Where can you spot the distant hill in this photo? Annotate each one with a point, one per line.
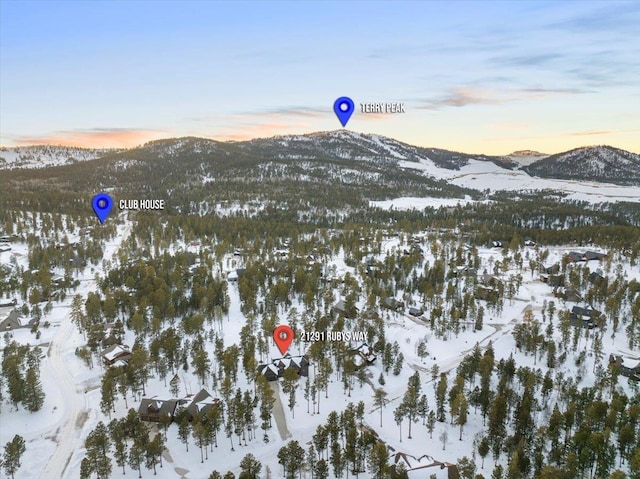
(376, 164)
(592, 163)
(43, 156)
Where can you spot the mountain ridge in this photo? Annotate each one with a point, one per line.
(600, 163)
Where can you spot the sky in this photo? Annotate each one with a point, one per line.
(477, 77)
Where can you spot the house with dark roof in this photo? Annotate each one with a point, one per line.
(274, 370)
(15, 321)
(299, 363)
(202, 403)
(567, 294)
(340, 309)
(596, 278)
(594, 255)
(152, 409)
(486, 293)
(575, 257)
(269, 371)
(417, 312)
(392, 304)
(583, 317)
(553, 269)
(363, 355)
(629, 369)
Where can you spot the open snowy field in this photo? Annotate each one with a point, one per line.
(485, 175)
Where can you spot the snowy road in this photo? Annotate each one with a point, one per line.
(68, 436)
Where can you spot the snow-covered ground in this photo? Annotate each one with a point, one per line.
(416, 203)
(56, 431)
(485, 175)
(46, 155)
(55, 435)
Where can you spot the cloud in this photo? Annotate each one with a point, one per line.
(536, 59)
(93, 138)
(620, 17)
(602, 132)
(465, 96)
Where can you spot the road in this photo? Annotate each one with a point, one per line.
(68, 436)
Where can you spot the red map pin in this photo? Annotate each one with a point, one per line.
(283, 336)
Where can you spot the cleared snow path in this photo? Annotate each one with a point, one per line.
(278, 413)
(68, 436)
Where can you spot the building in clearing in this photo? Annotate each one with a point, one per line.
(116, 355)
(202, 403)
(14, 321)
(152, 409)
(363, 355)
(274, 370)
(629, 369)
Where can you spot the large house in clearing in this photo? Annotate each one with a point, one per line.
(14, 321)
(582, 317)
(202, 403)
(274, 370)
(152, 409)
(630, 370)
(116, 355)
(363, 355)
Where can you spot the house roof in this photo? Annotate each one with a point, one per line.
(114, 351)
(268, 368)
(15, 320)
(157, 406)
(202, 402)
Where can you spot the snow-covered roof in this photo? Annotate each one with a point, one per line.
(112, 352)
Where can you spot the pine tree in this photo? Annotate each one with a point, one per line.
(13, 451)
(461, 408)
(483, 449)
(108, 389)
(289, 386)
(118, 437)
(398, 415)
(153, 453)
(431, 423)
(33, 394)
(379, 400)
(199, 432)
(378, 460)
(250, 467)
(183, 429)
(98, 446)
(136, 457)
(411, 400)
(441, 393)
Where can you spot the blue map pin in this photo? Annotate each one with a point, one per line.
(102, 204)
(344, 107)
